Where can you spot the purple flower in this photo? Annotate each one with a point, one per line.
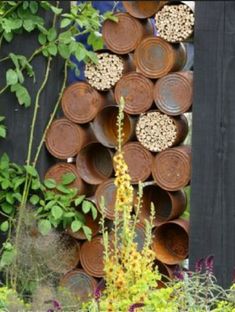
(100, 287)
(135, 306)
(178, 273)
(209, 264)
(199, 265)
(56, 305)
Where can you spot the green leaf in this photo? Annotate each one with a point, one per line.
(56, 10)
(52, 34)
(93, 211)
(2, 118)
(34, 199)
(92, 56)
(7, 258)
(50, 183)
(95, 40)
(33, 5)
(7, 208)
(36, 185)
(17, 182)
(109, 15)
(64, 50)
(21, 94)
(5, 184)
(79, 200)
(65, 37)
(50, 204)
(65, 22)
(11, 77)
(8, 36)
(42, 39)
(62, 189)
(86, 206)
(76, 225)
(28, 25)
(9, 198)
(52, 49)
(80, 53)
(4, 226)
(4, 161)
(3, 131)
(69, 214)
(31, 170)
(44, 227)
(87, 231)
(57, 212)
(68, 178)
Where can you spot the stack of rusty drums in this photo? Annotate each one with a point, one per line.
(149, 72)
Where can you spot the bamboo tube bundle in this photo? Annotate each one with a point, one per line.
(157, 131)
(175, 23)
(104, 75)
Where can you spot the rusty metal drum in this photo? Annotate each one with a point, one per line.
(173, 94)
(81, 103)
(172, 168)
(80, 284)
(105, 126)
(143, 9)
(168, 205)
(91, 257)
(171, 240)
(155, 57)
(107, 191)
(123, 36)
(64, 138)
(94, 163)
(57, 171)
(139, 161)
(137, 91)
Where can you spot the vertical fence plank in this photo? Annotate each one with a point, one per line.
(213, 142)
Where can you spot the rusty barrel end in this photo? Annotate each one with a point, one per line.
(64, 138)
(58, 170)
(139, 161)
(81, 103)
(173, 94)
(80, 284)
(172, 168)
(91, 257)
(94, 163)
(107, 191)
(171, 240)
(143, 9)
(137, 91)
(155, 57)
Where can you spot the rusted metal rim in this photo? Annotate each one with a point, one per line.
(171, 241)
(172, 168)
(143, 9)
(107, 190)
(80, 284)
(94, 163)
(137, 91)
(139, 161)
(80, 102)
(64, 138)
(91, 257)
(173, 94)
